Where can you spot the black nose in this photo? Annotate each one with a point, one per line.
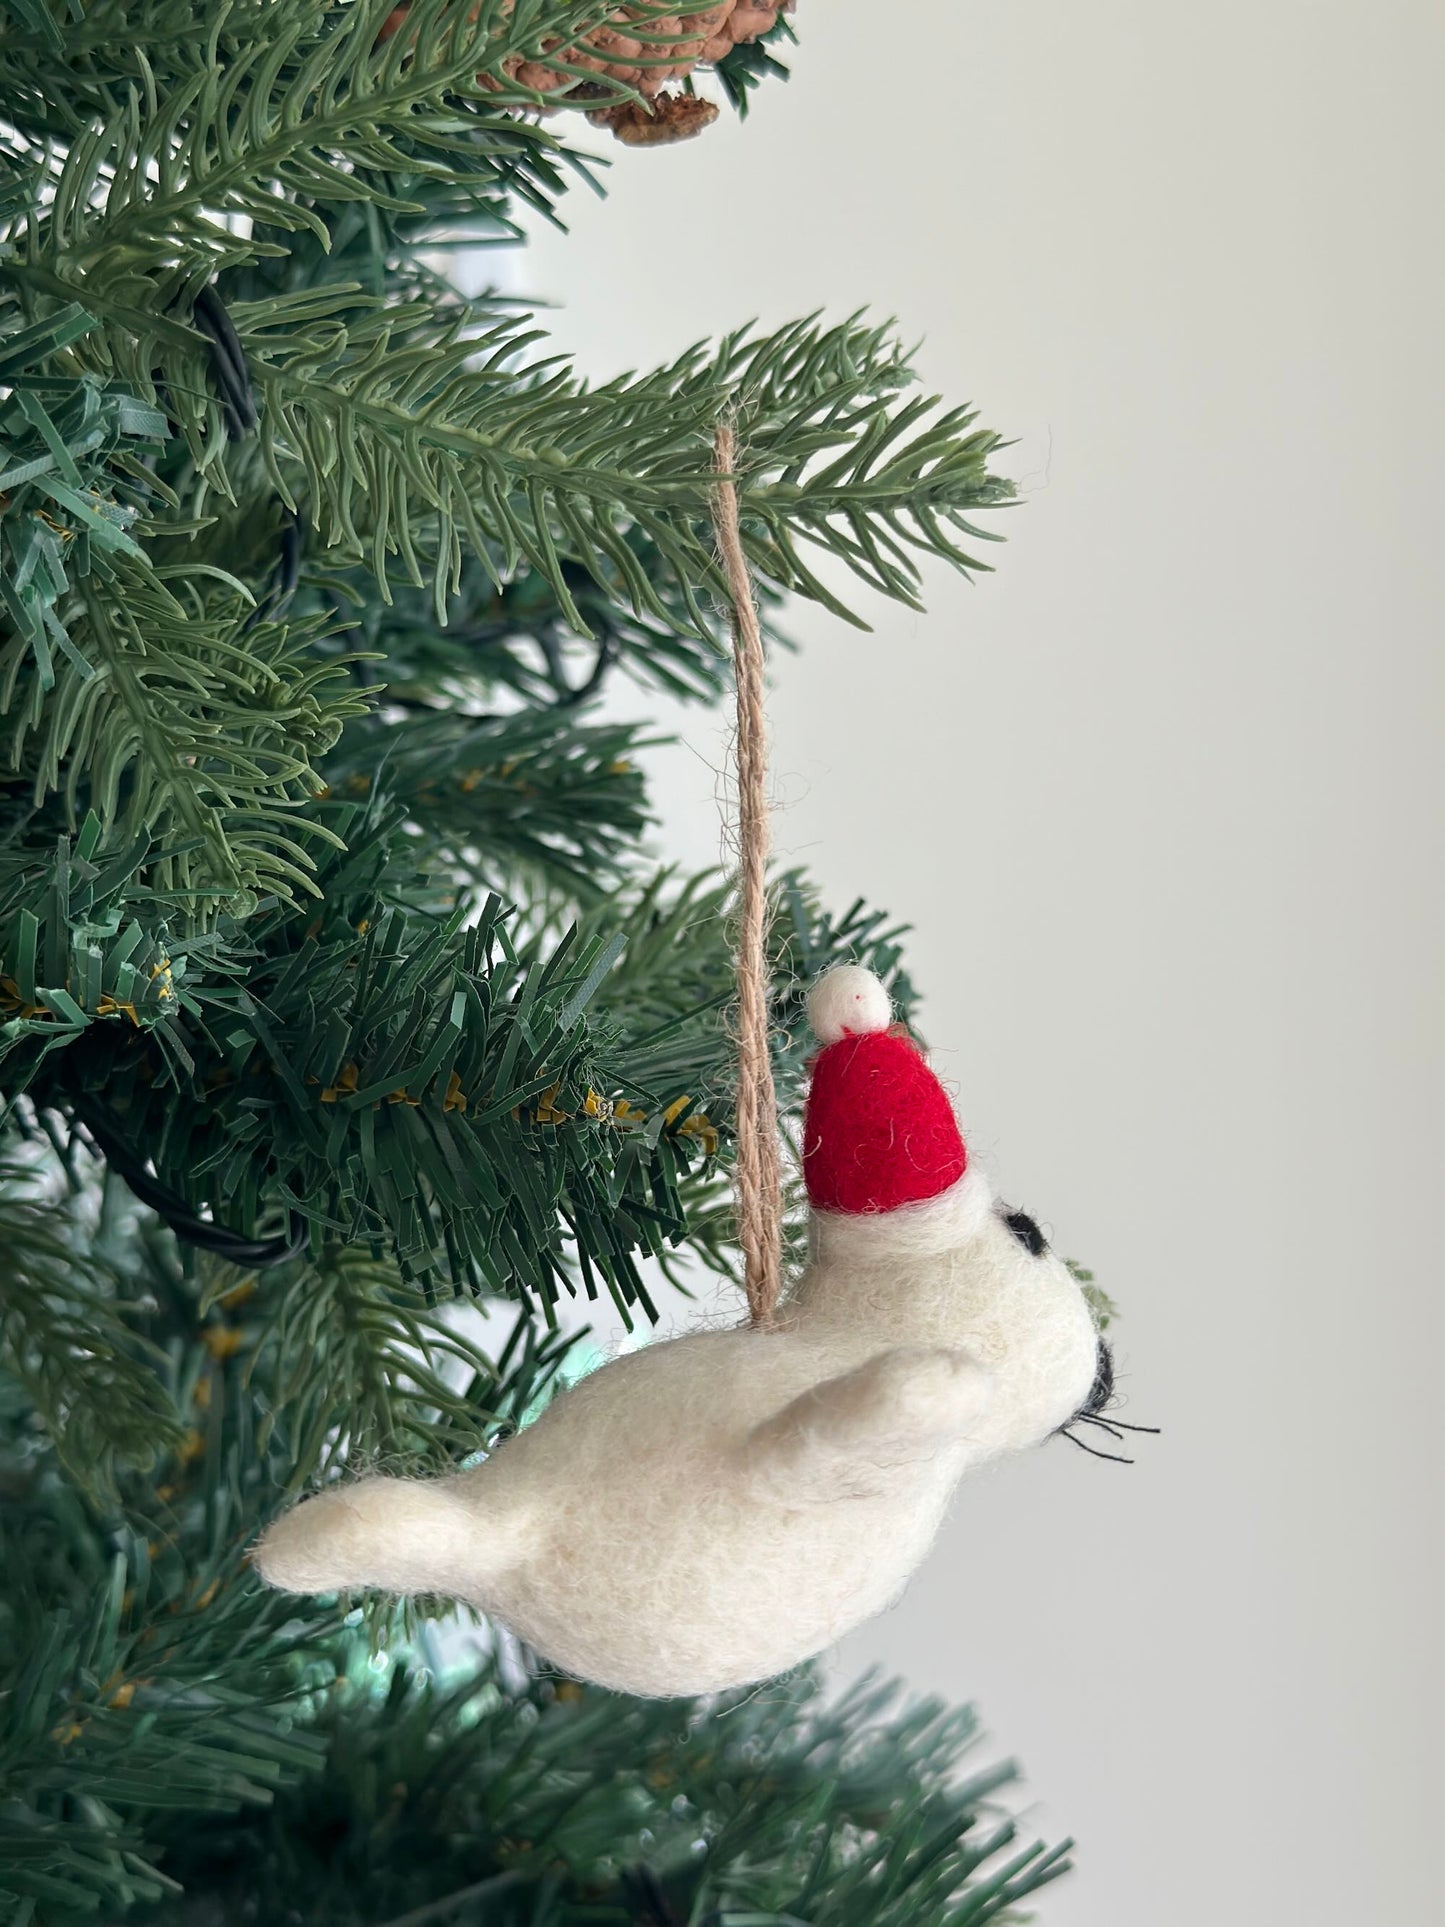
(1027, 1233)
(1102, 1389)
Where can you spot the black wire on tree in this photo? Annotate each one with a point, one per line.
(228, 362)
(252, 1254)
(567, 697)
(646, 1899)
(286, 576)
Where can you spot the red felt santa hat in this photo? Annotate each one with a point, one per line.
(879, 1130)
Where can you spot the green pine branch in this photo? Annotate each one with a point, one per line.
(517, 1115)
(751, 62)
(442, 1798)
(180, 720)
(401, 425)
(307, 99)
(516, 638)
(174, 1736)
(529, 798)
(70, 1342)
(72, 483)
(407, 1387)
(120, 1695)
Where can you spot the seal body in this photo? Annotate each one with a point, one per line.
(719, 1507)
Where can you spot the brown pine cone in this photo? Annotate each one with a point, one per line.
(673, 46)
(663, 120)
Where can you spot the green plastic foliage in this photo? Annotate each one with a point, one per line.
(519, 803)
(324, 911)
(517, 639)
(285, 94)
(403, 420)
(253, 916)
(508, 1115)
(675, 982)
(145, 1676)
(406, 1387)
(80, 944)
(291, 166)
(1100, 1303)
(191, 727)
(150, 694)
(142, 1670)
(420, 430)
(743, 70)
(174, 1737)
(65, 511)
(69, 1341)
(468, 1801)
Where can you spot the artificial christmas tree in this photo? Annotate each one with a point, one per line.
(333, 984)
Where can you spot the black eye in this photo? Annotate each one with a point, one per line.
(1027, 1232)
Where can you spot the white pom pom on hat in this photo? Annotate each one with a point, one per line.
(879, 1130)
(848, 1002)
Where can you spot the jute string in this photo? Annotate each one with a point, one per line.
(759, 1167)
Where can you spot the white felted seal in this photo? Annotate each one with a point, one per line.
(718, 1508)
(847, 1002)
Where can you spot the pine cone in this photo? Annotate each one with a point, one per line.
(675, 44)
(663, 120)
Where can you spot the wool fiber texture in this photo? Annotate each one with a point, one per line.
(720, 1507)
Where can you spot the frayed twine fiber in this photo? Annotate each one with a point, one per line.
(759, 1166)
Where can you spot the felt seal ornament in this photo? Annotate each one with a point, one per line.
(718, 1507)
(722, 1506)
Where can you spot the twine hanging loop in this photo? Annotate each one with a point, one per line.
(759, 1166)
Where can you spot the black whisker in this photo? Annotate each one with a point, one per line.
(1101, 1399)
(1104, 1425)
(1115, 1458)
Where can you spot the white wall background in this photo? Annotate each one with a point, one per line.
(1162, 799)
